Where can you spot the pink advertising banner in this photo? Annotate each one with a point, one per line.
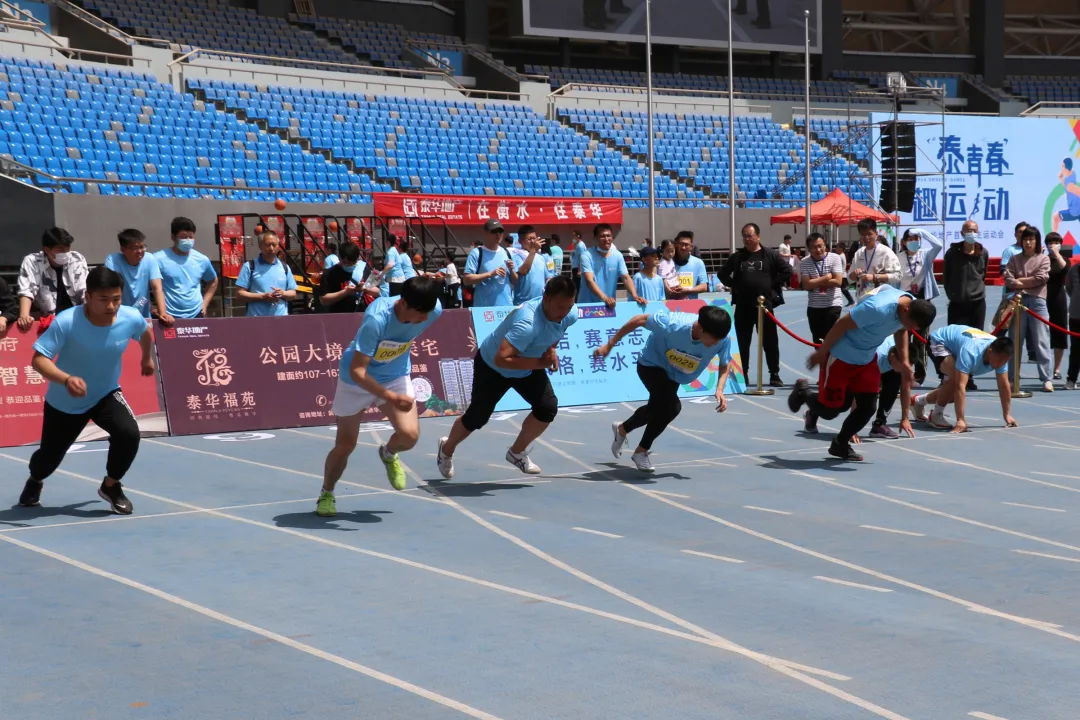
(242, 374)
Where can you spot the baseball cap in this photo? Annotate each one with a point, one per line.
(647, 251)
(492, 225)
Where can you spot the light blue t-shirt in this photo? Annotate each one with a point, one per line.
(876, 317)
(181, 279)
(264, 279)
(528, 329)
(649, 288)
(531, 286)
(330, 261)
(606, 270)
(967, 345)
(575, 256)
(557, 257)
(883, 354)
(92, 353)
(397, 273)
(691, 275)
(671, 347)
(386, 340)
(495, 291)
(136, 279)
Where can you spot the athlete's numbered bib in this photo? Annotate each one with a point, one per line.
(686, 280)
(551, 265)
(974, 333)
(390, 350)
(683, 362)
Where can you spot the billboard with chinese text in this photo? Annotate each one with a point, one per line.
(240, 374)
(478, 209)
(22, 393)
(997, 171)
(584, 379)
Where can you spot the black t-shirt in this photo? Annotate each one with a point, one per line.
(63, 300)
(336, 279)
(754, 275)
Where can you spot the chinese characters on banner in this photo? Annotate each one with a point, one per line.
(584, 379)
(478, 209)
(240, 374)
(231, 241)
(22, 393)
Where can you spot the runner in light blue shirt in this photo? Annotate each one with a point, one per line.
(680, 348)
(529, 331)
(266, 283)
(601, 268)
(184, 270)
(142, 276)
(375, 371)
(531, 267)
(490, 270)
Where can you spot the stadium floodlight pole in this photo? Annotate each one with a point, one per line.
(649, 110)
(809, 194)
(731, 126)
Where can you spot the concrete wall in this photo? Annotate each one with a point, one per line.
(25, 214)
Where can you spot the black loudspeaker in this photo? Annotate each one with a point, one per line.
(897, 167)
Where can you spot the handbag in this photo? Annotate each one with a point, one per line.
(1002, 310)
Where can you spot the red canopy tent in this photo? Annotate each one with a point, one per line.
(836, 208)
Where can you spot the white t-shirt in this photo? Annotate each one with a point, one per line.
(829, 265)
(450, 275)
(880, 260)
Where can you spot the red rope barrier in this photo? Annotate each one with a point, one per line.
(1044, 321)
(783, 327)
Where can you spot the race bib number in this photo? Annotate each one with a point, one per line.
(974, 333)
(686, 280)
(390, 350)
(683, 362)
(551, 265)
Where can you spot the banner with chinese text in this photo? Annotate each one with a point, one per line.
(583, 379)
(22, 393)
(241, 374)
(997, 172)
(478, 209)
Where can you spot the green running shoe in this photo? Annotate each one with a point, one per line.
(327, 506)
(394, 472)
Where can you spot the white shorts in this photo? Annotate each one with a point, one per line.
(352, 399)
(939, 350)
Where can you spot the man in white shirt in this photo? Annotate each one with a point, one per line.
(52, 280)
(874, 264)
(821, 274)
(785, 251)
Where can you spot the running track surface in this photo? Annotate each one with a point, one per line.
(749, 578)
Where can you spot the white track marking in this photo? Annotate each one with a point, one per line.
(914, 490)
(671, 494)
(597, 532)
(1048, 447)
(768, 510)
(568, 442)
(713, 557)
(889, 530)
(699, 432)
(269, 635)
(1044, 555)
(503, 432)
(768, 440)
(985, 716)
(324, 437)
(1033, 507)
(717, 463)
(509, 515)
(1057, 475)
(852, 584)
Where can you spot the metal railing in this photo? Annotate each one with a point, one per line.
(69, 53)
(1037, 108)
(106, 27)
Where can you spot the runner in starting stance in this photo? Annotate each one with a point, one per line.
(374, 370)
(679, 348)
(81, 355)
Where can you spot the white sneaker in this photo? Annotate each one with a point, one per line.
(445, 462)
(1048, 386)
(918, 408)
(1070, 385)
(522, 462)
(938, 420)
(642, 461)
(620, 441)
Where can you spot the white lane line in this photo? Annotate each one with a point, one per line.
(324, 437)
(713, 557)
(768, 510)
(1033, 507)
(503, 432)
(717, 463)
(698, 432)
(598, 532)
(895, 532)
(670, 494)
(852, 584)
(1044, 555)
(509, 515)
(1057, 475)
(768, 440)
(985, 716)
(1053, 447)
(568, 442)
(907, 489)
(263, 632)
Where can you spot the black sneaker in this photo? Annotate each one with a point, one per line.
(31, 493)
(971, 385)
(797, 398)
(844, 451)
(809, 423)
(775, 381)
(116, 498)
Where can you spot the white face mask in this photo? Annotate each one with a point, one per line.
(970, 238)
(61, 258)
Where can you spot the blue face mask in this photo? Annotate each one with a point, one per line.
(912, 245)
(970, 238)
(186, 245)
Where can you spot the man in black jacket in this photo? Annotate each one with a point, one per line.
(965, 281)
(751, 272)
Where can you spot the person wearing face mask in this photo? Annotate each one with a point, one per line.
(183, 271)
(919, 250)
(965, 278)
(347, 287)
(1057, 305)
(142, 276)
(52, 280)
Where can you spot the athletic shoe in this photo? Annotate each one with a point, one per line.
(883, 431)
(327, 505)
(522, 462)
(809, 423)
(619, 442)
(775, 381)
(445, 462)
(797, 398)
(971, 385)
(115, 496)
(844, 451)
(1071, 385)
(939, 421)
(918, 408)
(642, 461)
(1048, 386)
(31, 493)
(394, 472)
(1057, 375)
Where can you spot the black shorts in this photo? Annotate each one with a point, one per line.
(489, 387)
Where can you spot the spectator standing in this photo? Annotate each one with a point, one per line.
(341, 289)
(452, 280)
(601, 268)
(689, 270)
(490, 270)
(666, 268)
(821, 274)
(142, 276)
(919, 250)
(1057, 305)
(183, 272)
(532, 269)
(1029, 273)
(52, 280)
(874, 263)
(579, 248)
(647, 282)
(555, 247)
(331, 258)
(266, 283)
(965, 278)
(1072, 285)
(750, 272)
(9, 308)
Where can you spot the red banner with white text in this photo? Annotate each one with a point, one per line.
(478, 209)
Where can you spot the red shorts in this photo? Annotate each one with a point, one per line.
(837, 378)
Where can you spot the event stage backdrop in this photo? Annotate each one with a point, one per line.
(997, 171)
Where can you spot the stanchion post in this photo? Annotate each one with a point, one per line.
(1017, 320)
(761, 389)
